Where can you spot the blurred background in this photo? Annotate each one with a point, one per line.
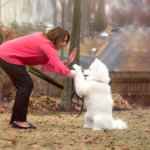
(115, 31)
(100, 19)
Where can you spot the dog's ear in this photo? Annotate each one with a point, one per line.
(96, 66)
(97, 62)
(96, 59)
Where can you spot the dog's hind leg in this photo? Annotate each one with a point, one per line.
(101, 122)
(96, 123)
(88, 121)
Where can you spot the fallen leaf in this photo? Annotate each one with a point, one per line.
(105, 131)
(143, 121)
(36, 146)
(125, 148)
(48, 143)
(2, 110)
(14, 142)
(114, 139)
(5, 106)
(88, 142)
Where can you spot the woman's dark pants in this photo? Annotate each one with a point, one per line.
(24, 84)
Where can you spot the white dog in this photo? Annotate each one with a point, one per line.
(97, 97)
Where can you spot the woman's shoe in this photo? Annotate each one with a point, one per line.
(30, 124)
(17, 126)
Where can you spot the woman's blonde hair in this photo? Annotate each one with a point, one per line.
(56, 34)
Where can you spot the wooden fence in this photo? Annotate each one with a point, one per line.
(132, 86)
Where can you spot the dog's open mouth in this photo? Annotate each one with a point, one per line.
(85, 76)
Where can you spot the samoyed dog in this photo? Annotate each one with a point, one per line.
(93, 85)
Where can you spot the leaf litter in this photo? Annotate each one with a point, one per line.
(59, 131)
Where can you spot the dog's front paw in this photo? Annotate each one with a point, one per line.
(86, 126)
(73, 71)
(75, 66)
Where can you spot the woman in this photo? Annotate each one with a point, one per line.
(33, 49)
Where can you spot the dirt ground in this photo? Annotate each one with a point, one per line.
(60, 131)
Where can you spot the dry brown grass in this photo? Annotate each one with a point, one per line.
(59, 130)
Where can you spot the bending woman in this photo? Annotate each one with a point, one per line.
(32, 49)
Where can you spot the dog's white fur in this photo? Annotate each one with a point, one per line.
(97, 97)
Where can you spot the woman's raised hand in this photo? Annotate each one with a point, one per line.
(71, 57)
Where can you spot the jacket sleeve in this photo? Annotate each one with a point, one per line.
(54, 64)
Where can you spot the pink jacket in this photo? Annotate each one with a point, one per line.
(33, 49)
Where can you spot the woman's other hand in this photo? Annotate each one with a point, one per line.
(72, 74)
(71, 57)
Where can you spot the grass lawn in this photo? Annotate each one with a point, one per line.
(89, 43)
(59, 130)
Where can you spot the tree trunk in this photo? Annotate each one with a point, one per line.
(55, 12)
(74, 42)
(84, 12)
(1, 71)
(63, 16)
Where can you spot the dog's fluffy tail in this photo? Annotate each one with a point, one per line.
(119, 124)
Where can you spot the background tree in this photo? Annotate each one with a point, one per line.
(54, 2)
(84, 10)
(86, 19)
(145, 14)
(63, 2)
(74, 42)
(69, 11)
(1, 70)
(99, 21)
